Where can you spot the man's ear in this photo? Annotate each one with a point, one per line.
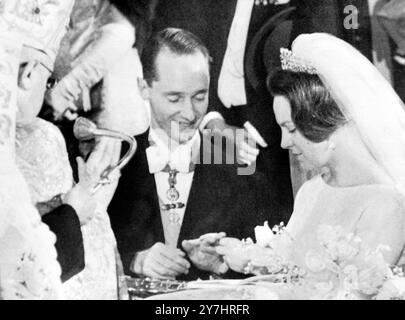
(143, 88)
(25, 80)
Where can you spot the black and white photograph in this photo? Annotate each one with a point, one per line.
(223, 151)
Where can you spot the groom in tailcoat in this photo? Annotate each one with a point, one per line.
(212, 20)
(170, 192)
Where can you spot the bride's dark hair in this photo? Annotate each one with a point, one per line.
(313, 111)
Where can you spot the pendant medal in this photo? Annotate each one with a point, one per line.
(174, 217)
(172, 194)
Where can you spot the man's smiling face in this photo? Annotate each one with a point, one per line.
(179, 95)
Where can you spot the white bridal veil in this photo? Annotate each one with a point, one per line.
(363, 95)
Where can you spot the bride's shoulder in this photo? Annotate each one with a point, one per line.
(310, 186)
(384, 203)
(386, 195)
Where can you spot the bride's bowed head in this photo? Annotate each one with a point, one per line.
(339, 114)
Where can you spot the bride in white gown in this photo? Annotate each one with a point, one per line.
(339, 115)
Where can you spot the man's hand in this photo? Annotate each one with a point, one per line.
(62, 99)
(203, 255)
(245, 139)
(160, 261)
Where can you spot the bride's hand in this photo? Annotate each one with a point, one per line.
(232, 250)
(237, 254)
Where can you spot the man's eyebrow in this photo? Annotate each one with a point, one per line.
(200, 92)
(173, 93)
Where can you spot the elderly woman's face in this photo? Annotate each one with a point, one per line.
(309, 153)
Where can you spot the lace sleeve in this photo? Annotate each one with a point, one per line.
(43, 160)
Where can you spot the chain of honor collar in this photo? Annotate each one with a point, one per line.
(172, 196)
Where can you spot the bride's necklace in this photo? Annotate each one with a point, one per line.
(173, 196)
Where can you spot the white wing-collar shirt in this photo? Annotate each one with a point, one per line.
(179, 158)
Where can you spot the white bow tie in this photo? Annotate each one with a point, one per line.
(160, 157)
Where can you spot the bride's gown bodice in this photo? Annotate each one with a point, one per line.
(43, 160)
(374, 213)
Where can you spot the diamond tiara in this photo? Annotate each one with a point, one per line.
(291, 63)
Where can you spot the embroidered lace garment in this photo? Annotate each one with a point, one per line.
(43, 159)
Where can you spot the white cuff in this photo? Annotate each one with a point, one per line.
(208, 117)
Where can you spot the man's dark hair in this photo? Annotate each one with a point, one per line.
(313, 110)
(177, 41)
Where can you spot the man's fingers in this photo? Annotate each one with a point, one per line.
(230, 242)
(157, 264)
(254, 134)
(156, 270)
(180, 253)
(154, 275)
(174, 267)
(212, 238)
(187, 245)
(86, 100)
(72, 107)
(165, 266)
(208, 250)
(245, 161)
(70, 115)
(175, 259)
(253, 150)
(246, 157)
